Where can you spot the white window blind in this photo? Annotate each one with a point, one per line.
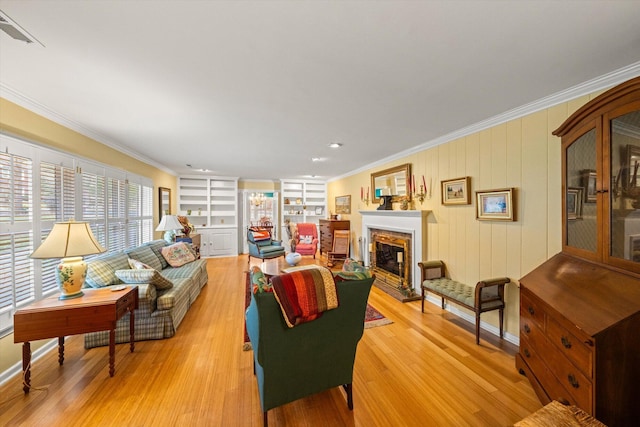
(16, 239)
(39, 187)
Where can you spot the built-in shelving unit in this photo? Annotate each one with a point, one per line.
(211, 204)
(303, 201)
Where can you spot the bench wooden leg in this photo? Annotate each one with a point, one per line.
(477, 328)
(423, 300)
(443, 303)
(501, 322)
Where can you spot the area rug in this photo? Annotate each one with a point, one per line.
(372, 317)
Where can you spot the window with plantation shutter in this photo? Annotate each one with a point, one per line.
(16, 239)
(39, 187)
(57, 203)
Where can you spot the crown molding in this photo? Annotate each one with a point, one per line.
(599, 83)
(18, 98)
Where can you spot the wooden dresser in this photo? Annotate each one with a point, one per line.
(580, 337)
(327, 227)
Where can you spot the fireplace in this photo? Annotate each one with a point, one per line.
(385, 235)
(391, 258)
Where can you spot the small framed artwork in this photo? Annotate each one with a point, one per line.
(589, 183)
(319, 210)
(574, 203)
(495, 205)
(456, 191)
(343, 204)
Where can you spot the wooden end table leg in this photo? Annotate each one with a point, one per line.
(60, 350)
(26, 366)
(132, 330)
(112, 352)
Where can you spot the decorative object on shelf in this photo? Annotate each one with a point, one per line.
(385, 203)
(364, 197)
(343, 204)
(298, 201)
(199, 211)
(319, 210)
(293, 258)
(456, 191)
(495, 205)
(574, 202)
(169, 224)
(188, 211)
(70, 241)
(287, 201)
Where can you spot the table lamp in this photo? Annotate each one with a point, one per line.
(169, 224)
(70, 241)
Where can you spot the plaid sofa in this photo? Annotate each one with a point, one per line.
(160, 309)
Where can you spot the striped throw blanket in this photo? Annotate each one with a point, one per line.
(304, 295)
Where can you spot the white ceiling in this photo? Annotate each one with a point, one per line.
(255, 89)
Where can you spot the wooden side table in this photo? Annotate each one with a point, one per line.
(96, 310)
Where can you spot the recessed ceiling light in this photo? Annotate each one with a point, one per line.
(316, 159)
(335, 145)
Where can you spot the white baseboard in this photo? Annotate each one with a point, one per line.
(455, 309)
(16, 369)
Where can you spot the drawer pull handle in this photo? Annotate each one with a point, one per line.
(526, 353)
(565, 342)
(527, 329)
(572, 380)
(531, 311)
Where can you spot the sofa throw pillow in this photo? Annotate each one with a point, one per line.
(260, 235)
(150, 276)
(101, 270)
(306, 239)
(156, 246)
(259, 281)
(146, 255)
(351, 264)
(137, 265)
(341, 276)
(177, 254)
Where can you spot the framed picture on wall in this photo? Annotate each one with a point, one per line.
(343, 204)
(456, 191)
(495, 205)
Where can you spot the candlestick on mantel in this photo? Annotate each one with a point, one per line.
(399, 256)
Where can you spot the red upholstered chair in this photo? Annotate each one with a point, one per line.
(305, 240)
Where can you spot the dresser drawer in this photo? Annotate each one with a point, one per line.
(579, 386)
(531, 309)
(126, 303)
(579, 351)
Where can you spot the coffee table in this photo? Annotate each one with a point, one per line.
(274, 266)
(96, 310)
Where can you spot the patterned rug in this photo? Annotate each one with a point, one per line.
(372, 317)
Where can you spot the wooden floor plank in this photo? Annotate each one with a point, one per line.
(423, 369)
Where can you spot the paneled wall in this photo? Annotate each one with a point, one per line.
(520, 153)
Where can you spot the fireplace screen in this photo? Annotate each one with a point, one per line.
(387, 257)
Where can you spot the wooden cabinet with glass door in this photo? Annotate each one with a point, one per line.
(580, 310)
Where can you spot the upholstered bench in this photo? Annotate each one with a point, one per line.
(486, 295)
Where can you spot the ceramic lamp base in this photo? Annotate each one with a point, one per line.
(70, 274)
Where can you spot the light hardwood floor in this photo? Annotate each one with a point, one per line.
(422, 370)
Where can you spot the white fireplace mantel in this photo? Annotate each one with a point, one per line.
(409, 221)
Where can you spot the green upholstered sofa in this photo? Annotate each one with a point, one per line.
(162, 303)
(291, 363)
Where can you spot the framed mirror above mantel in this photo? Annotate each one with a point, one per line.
(391, 182)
